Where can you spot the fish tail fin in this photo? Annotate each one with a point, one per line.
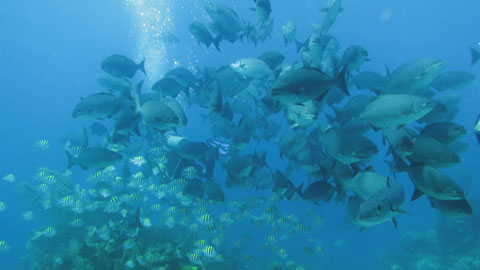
(71, 159)
(138, 223)
(216, 42)
(299, 189)
(475, 56)
(136, 95)
(298, 45)
(341, 82)
(141, 66)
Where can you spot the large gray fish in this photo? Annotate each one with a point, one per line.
(370, 80)
(452, 80)
(226, 22)
(202, 35)
(97, 106)
(396, 110)
(433, 183)
(317, 191)
(289, 30)
(272, 58)
(160, 115)
(121, 66)
(302, 115)
(400, 140)
(168, 87)
(347, 147)
(445, 132)
(113, 84)
(213, 191)
(304, 84)
(263, 8)
(127, 120)
(331, 10)
(265, 30)
(94, 158)
(413, 76)
(452, 208)
(382, 206)
(230, 81)
(366, 183)
(183, 76)
(428, 151)
(352, 109)
(252, 68)
(282, 186)
(354, 57)
(292, 142)
(475, 56)
(241, 167)
(193, 189)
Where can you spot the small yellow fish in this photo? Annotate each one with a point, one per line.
(4, 247)
(3, 206)
(42, 144)
(28, 215)
(9, 178)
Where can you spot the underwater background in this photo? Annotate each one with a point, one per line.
(52, 51)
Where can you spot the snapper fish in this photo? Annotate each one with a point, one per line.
(121, 66)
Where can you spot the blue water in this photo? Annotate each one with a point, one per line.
(51, 53)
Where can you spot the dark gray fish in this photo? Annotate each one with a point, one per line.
(272, 58)
(304, 84)
(213, 191)
(383, 206)
(230, 81)
(94, 158)
(433, 183)
(317, 191)
(113, 84)
(226, 22)
(201, 33)
(452, 208)
(282, 186)
(370, 80)
(127, 120)
(183, 76)
(121, 66)
(263, 8)
(193, 189)
(331, 10)
(347, 147)
(444, 132)
(168, 87)
(97, 106)
(99, 129)
(452, 80)
(354, 57)
(352, 109)
(428, 151)
(265, 30)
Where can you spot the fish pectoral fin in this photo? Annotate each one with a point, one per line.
(401, 211)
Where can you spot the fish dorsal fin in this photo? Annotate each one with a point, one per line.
(395, 224)
(417, 193)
